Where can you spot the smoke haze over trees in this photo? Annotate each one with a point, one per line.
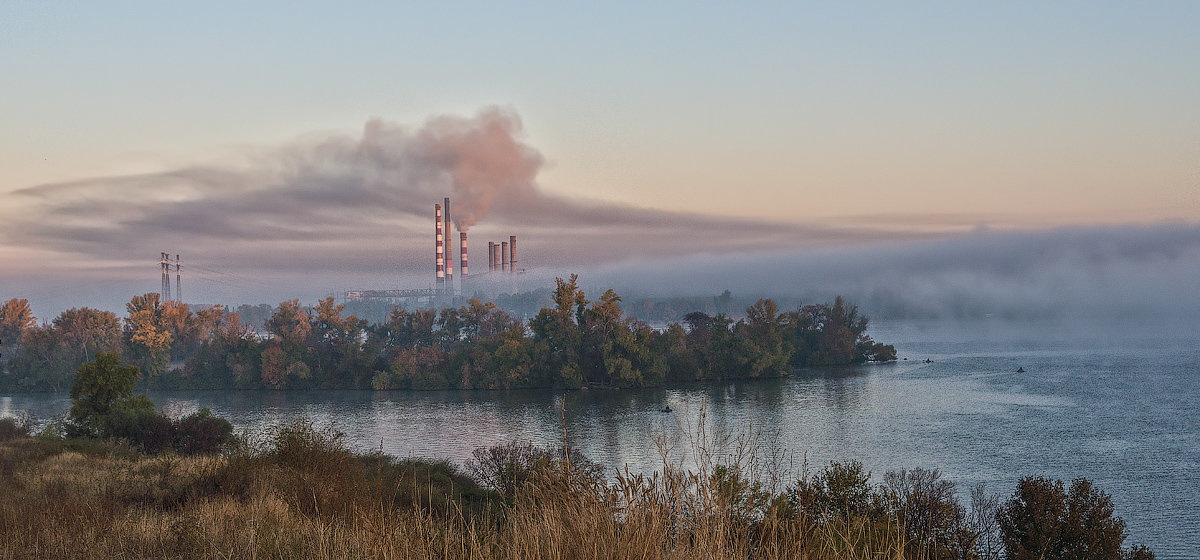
(331, 212)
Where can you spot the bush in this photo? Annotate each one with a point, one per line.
(202, 433)
(841, 491)
(136, 421)
(1041, 520)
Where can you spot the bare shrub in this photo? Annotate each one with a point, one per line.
(16, 428)
(933, 520)
(509, 467)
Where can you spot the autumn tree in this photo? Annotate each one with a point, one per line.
(284, 360)
(228, 355)
(1042, 520)
(514, 363)
(419, 367)
(337, 356)
(280, 370)
(147, 336)
(290, 324)
(841, 329)
(50, 354)
(185, 328)
(85, 332)
(15, 318)
(406, 329)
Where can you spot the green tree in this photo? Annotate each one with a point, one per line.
(763, 329)
(559, 328)
(608, 344)
(840, 491)
(101, 392)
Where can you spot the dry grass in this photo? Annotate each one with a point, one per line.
(310, 498)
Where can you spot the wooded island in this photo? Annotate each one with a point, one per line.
(571, 344)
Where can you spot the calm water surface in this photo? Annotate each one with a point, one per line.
(1123, 411)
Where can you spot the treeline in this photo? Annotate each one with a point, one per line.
(571, 344)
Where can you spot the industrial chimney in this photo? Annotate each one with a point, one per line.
(449, 249)
(439, 254)
(491, 251)
(462, 245)
(512, 253)
(504, 256)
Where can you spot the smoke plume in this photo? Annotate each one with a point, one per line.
(484, 160)
(346, 203)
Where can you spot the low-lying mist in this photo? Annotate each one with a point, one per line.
(1116, 272)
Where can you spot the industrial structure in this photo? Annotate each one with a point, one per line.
(440, 250)
(502, 258)
(449, 249)
(164, 260)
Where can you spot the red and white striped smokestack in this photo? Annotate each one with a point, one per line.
(504, 256)
(439, 250)
(512, 253)
(449, 247)
(462, 258)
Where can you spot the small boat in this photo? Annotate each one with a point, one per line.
(1020, 370)
(666, 408)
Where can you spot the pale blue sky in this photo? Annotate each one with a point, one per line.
(1067, 111)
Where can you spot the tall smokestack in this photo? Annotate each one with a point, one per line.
(512, 253)
(503, 256)
(496, 256)
(462, 245)
(439, 249)
(449, 249)
(491, 259)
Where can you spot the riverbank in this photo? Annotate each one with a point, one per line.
(305, 496)
(298, 492)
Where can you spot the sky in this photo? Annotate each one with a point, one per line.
(296, 149)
